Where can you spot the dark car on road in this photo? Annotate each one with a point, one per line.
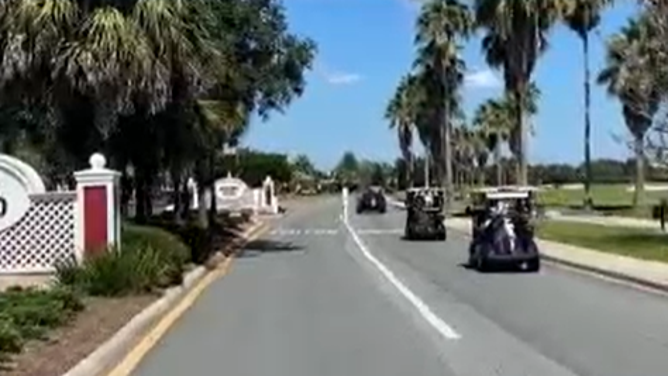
(502, 224)
(372, 199)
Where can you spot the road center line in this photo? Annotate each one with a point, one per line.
(436, 322)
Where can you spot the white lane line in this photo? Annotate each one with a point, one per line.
(436, 322)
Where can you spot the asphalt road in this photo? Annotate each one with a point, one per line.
(312, 299)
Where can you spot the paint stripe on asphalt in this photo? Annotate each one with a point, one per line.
(436, 322)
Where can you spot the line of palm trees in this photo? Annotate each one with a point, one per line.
(427, 101)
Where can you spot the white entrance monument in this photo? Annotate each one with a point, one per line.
(39, 229)
(17, 182)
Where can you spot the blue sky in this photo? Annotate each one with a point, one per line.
(365, 46)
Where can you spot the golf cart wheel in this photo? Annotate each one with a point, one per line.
(481, 262)
(533, 265)
(442, 233)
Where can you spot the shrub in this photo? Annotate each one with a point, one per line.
(10, 336)
(120, 272)
(168, 243)
(29, 313)
(149, 258)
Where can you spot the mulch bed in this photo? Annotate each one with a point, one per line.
(68, 345)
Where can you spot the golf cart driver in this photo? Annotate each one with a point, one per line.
(502, 230)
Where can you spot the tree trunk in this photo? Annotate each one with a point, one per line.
(427, 171)
(177, 195)
(140, 195)
(410, 171)
(201, 193)
(588, 204)
(639, 191)
(213, 210)
(498, 162)
(447, 157)
(523, 135)
(481, 176)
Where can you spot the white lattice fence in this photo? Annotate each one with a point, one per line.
(43, 237)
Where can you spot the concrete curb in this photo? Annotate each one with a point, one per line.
(618, 276)
(622, 277)
(108, 354)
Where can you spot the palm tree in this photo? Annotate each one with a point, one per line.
(530, 108)
(440, 26)
(480, 153)
(516, 35)
(629, 76)
(584, 17)
(400, 112)
(93, 62)
(493, 121)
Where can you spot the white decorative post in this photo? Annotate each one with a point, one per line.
(344, 198)
(257, 200)
(98, 221)
(194, 195)
(268, 190)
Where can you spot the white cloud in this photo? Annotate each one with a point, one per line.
(341, 78)
(337, 77)
(482, 79)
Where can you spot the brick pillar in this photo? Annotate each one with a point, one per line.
(98, 220)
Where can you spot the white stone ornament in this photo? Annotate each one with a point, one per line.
(97, 161)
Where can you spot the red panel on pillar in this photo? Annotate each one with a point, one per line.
(95, 219)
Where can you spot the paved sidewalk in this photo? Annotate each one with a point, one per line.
(650, 273)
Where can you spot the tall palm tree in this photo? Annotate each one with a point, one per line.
(530, 108)
(400, 112)
(583, 18)
(628, 75)
(493, 120)
(441, 25)
(516, 34)
(481, 154)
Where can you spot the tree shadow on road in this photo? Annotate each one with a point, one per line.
(262, 246)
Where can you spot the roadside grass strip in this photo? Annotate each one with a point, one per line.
(646, 244)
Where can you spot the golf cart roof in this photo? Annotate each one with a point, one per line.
(506, 192)
(421, 189)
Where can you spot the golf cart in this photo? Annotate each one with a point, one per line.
(372, 199)
(425, 216)
(502, 228)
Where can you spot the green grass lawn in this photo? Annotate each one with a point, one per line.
(603, 195)
(634, 242)
(610, 198)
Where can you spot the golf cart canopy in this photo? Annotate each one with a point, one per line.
(503, 193)
(425, 189)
